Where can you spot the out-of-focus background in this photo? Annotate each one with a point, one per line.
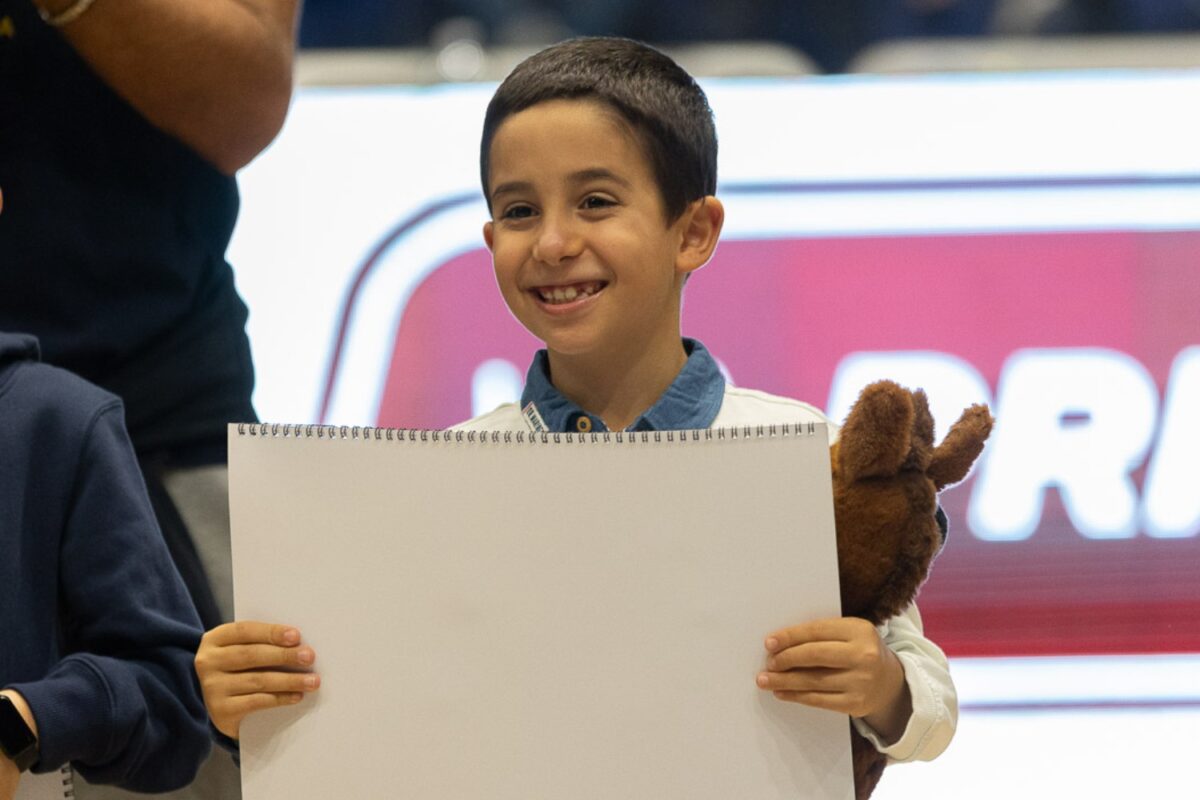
(996, 200)
(834, 36)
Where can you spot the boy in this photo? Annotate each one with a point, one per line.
(97, 631)
(598, 163)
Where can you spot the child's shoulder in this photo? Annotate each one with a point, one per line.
(752, 407)
(46, 398)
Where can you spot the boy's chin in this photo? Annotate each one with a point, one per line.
(561, 348)
(568, 338)
(575, 345)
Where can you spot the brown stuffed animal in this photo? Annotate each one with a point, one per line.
(886, 476)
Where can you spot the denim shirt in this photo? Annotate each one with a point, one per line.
(691, 402)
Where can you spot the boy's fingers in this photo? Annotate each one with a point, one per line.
(250, 632)
(838, 629)
(240, 657)
(251, 683)
(832, 655)
(816, 680)
(829, 701)
(237, 707)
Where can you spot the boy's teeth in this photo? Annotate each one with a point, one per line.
(565, 294)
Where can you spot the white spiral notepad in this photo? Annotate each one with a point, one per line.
(56, 785)
(513, 616)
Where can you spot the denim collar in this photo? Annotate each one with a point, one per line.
(690, 402)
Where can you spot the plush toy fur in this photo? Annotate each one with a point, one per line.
(886, 476)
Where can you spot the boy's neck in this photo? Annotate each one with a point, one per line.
(618, 388)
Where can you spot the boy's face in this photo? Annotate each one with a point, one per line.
(582, 249)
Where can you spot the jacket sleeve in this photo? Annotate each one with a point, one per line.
(123, 704)
(934, 699)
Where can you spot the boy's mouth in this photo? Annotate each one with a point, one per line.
(559, 295)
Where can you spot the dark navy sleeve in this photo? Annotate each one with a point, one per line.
(123, 705)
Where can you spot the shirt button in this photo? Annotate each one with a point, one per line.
(583, 424)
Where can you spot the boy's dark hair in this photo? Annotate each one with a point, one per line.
(662, 103)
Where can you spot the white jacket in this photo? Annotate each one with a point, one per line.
(934, 700)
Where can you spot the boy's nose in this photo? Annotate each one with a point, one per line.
(557, 241)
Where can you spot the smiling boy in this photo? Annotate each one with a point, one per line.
(588, 258)
(598, 163)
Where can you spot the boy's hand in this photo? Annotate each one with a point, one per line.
(842, 665)
(248, 666)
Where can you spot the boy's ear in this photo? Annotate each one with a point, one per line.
(487, 234)
(701, 228)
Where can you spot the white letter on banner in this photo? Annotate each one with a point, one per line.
(951, 383)
(1171, 502)
(1079, 419)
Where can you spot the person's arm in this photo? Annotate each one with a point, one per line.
(934, 716)
(122, 704)
(215, 74)
(892, 681)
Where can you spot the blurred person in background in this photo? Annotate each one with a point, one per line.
(830, 33)
(123, 123)
(899, 19)
(1121, 16)
(369, 23)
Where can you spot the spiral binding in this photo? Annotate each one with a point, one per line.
(270, 430)
(68, 781)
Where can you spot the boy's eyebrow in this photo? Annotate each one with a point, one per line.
(598, 173)
(582, 176)
(511, 187)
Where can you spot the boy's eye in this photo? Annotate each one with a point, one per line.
(596, 201)
(517, 212)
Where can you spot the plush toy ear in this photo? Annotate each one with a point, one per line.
(874, 441)
(953, 458)
(921, 439)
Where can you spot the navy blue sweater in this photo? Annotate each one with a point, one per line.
(96, 629)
